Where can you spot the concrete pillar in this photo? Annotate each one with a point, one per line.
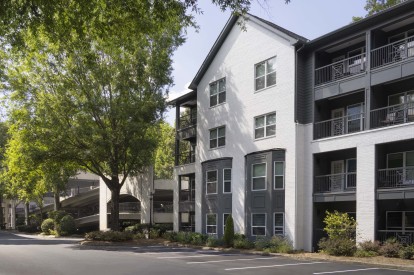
(365, 193)
(13, 215)
(176, 200)
(104, 194)
(6, 213)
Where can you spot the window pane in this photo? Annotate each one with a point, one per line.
(409, 220)
(271, 79)
(278, 182)
(260, 83)
(278, 219)
(212, 176)
(222, 97)
(222, 85)
(221, 132)
(259, 231)
(221, 141)
(213, 133)
(271, 119)
(211, 219)
(213, 143)
(211, 230)
(271, 65)
(395, 160)
(394, 220)
(227, 186)
(259, 183)
(259, 121)
(271, 130)
(351, 165)
(227, 174)
(260, 69)
(409, 159)
(213, 101)
(213, 89)
(259, 220)
(211, 187)
(279, 168)
(259, 170)
(259, 133)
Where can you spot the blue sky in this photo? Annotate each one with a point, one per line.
(309, 18)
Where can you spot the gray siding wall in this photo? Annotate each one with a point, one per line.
(304, 90)
(267, 201)
(219, 203)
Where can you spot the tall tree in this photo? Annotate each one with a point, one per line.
(3, 141)
(164, 155)
(375, 6)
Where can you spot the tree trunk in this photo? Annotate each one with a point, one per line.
(26, 213)
(114, 206)
(56, 198)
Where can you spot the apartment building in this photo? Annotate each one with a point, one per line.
(278, 129)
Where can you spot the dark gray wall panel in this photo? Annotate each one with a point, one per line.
(385, 74)
(408, 68)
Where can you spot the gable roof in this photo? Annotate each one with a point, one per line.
(222, 37)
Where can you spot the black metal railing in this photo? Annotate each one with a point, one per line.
(393, 52)
(187, 195)
(392, 115)
(396, 178)
(188, 120)
(403, 236)
(335, 183)
(338, 126)
(163, 207)
(129, 207)
(186, 158)
(340, 69)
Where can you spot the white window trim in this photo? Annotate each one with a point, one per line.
(231, 179)
(224, 221)
(274, 175)
(265, 163)
(218, 92)
(217, 137)
(207, 193)
(254, 125)
(265, 75)
(252, 226)
(207, 225)
(274, 223)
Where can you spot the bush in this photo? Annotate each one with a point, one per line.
(67, 225)
(47, 226)
(57, 215)
(228, 237)
(27, 228)
(261, 243)
(337, 246)
(243, 244)
(339, 225)
(279, 244)
(171, 236)
(406, 253)
(370, 246)
(184, 237)
(109, 236)
(198, 239)
(390, 248)
(360, 253)
(214, 242)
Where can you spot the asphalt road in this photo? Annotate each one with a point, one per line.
(29, 255)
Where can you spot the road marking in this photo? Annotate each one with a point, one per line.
(234, 260)
(190, 256)
(267, 266)
(346, 271)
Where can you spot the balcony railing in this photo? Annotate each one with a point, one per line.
(187, 195)
(186, 158)
(188, 120)
(338, 126)
(396, 178)
(335, 183)
(392, 115)
(129, 207)
(341, 69)
(393, 52)
(163, 206)
(403, 236)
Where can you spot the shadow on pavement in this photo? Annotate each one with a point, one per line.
(11, 238)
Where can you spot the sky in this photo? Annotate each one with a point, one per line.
(308, 18)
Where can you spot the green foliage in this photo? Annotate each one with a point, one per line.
(406, 252)
(375, 6)
(47, 226)
(228, 237)
(109, 236)
(339, 225)
(279, 244)
(67, 225)
(243, 243)
(27, 228)
(370, 246)
(157, 230)
(337, 246)
(364, 253)
(171, 236)
(214, 242)
(390, 248)
(57, 215)
(164, 155)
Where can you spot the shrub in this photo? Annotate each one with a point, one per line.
(337, 246)
(339, 225)
(361, 253)
(109, 236)
(184, 237)
(67, 225)
(214, 242)
(390, 248)
(198, 239)
(47, 226)
(370, 246)
(27, 228)
(171, 236)
(57, 215)
(279, 244)
(242, 243)
(261, 243)
(228, 237)
(406, 253)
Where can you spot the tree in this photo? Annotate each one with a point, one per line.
(164, 155)
(3, 141)
(375, 6)
(228, 237)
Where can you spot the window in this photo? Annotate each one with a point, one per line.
(227, 180)
(265, 126)
(218, 137)
(211, 223)
(279, 175)
(265, 74)
(225, 216)
(258, 224)
(279, 227)
(259, 176)
(218, 92)
(211, 184)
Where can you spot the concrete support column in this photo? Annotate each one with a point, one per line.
(104, 195)
(365, 193)
(198, 198)
(176, 200)
(13, 215)
(6, 213)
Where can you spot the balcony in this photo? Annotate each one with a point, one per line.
(396, 178)
(392, 53)
(341, 182)
(341, 69)
(392, 115)
(339, 126)
(129, 207)
(186, 158)
(403, 236)
(187, 126)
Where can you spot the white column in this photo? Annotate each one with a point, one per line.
(365, 193)
(13, 214)
(176, 199)
(103, 211)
